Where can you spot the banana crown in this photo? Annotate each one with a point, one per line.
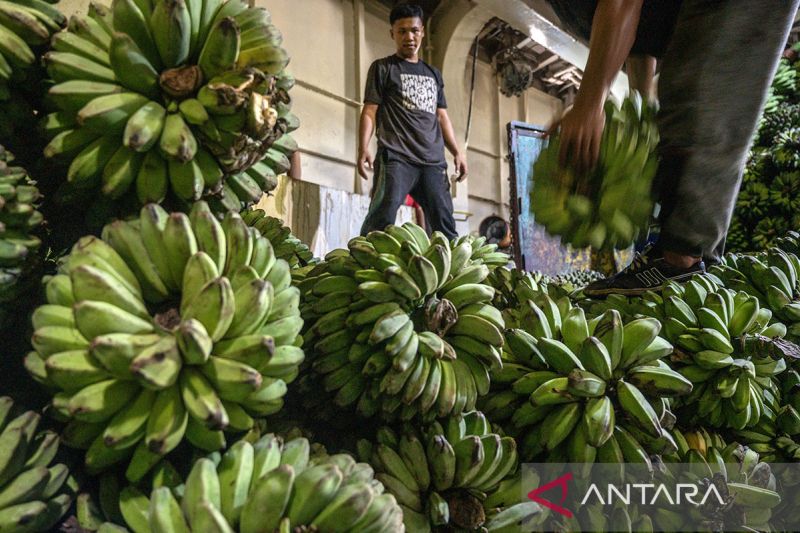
(174, 100)
(19, 221)
(34, 494)
(436, 472)
(269, 485)
(402, 324)
(610, 207)
(170, 326)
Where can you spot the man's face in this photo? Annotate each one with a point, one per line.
(407, 34)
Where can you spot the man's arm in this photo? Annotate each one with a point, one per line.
(641, 71)
(366, 128)
(613, 33)
(459, 158)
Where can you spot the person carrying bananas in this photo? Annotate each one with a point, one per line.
(404, 99)
(717, 60)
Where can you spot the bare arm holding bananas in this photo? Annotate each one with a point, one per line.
(613, 33)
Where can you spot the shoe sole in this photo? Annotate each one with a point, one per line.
(636, 292)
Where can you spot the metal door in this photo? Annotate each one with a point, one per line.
(534, 249)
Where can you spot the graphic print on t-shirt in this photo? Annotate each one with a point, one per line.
(419, 92)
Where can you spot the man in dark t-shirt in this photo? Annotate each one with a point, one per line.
(404, 99)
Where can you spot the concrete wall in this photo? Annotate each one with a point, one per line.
(332, 44)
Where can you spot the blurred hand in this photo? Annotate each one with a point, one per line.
(365, 162)
(460, 162)
(581, 132)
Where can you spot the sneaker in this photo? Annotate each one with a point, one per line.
(647, 272)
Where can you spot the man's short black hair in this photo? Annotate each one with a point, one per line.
(405, 11)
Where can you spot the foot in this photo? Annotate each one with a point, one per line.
(647, 272)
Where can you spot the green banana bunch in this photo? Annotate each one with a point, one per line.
(784, 151)
(597, 517)
(736, 470)
(768, 204)
(582, 390)
(776, 438)
(269, 485)
(286, 246)
(486, 253)
(771, 124)
(513, 286)
(170, 327)
(574, 281)
(25, 28)
(172, 100)
(436, 472)
(714, 330)
(790, 242)
(777, 434)
(401, 324)
(772, 278)
(19, 223)
(34, 494)
(610, 207)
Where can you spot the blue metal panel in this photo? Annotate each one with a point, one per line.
(534, 249)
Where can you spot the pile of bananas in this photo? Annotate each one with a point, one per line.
(768, 203)
(783, 90)
(514, 286)
(181, 96)
(575, 280)
(286, 246)
(789, 243)
(771, 277)
(267, 486)
(33, 494)
(19, 221)
(777, 438)
(714, 329)
(777, 435)
(442, 475)
(402, 324)
(736, 470)
(596, 517)
(171, 326)
(584, 390)
(24, 27)
(611, 207)
(785, 152)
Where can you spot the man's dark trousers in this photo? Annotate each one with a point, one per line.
(396, 178)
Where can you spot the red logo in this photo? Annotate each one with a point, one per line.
(560, 482)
